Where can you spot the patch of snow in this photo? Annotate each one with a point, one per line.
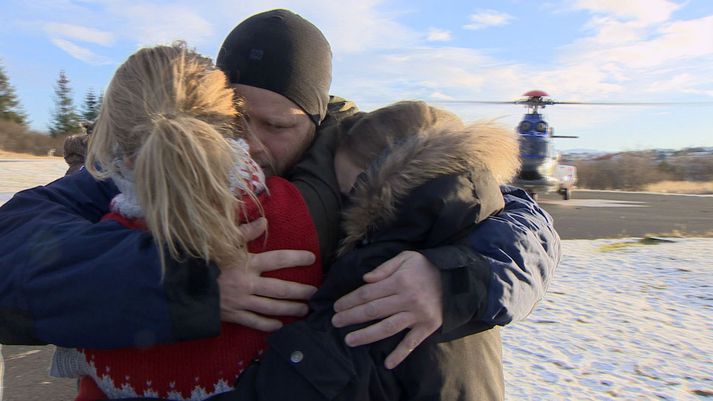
(621, 320)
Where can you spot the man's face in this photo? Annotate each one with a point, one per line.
(279, 130)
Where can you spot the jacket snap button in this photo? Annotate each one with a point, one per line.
(296, 357)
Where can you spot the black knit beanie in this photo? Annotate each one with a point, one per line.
(284, 53)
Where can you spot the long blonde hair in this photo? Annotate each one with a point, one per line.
(168, 112)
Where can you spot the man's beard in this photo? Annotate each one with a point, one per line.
(268, 168)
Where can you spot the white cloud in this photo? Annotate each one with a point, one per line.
(149, 23)
(438, 35)
(468, 74)
(674, 83)
(350, 27)
(643, 11)
(442, 73)
(635, 48)
(81, 33)
(691, 38)
(80, 53)
(625, 25)
(383, 58)
(577, 82)
(439, 96)
(487, 18)
(670, 43)
(436, 74)
(139, 23)
(684, 82)
(361, 26)
(610, 31)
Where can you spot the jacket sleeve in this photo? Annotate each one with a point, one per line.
(314, 176)
(67, 279)
(315, 179)
(501, 270)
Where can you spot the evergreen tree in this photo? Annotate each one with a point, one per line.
(100, 101)
(64, 119)
(90, 109)
(9, 105)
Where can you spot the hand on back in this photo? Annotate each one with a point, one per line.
(404, 293)
(249, 299)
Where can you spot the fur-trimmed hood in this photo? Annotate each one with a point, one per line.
(445, 147)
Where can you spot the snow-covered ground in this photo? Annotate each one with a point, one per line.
(621, 320)
(19, 174)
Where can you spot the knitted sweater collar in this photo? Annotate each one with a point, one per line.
(246, 176)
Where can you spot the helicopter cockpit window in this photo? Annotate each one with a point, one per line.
(525, 126)
(541, 126)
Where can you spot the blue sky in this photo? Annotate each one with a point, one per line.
(384, 51)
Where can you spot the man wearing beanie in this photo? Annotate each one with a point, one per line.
(281, 64)
(281, 52)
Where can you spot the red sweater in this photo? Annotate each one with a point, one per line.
(201, 368)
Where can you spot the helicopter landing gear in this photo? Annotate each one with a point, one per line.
(566, 194)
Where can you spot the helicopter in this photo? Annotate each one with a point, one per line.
(540, 171)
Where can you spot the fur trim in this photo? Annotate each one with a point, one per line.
(445, 148)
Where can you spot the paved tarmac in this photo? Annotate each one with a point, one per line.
(588, 215)
(613, 214)
(27, 378)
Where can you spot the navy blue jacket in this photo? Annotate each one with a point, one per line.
(70, 280)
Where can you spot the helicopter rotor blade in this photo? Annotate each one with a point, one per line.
(548, 102)
(476, 102)
(636, 103)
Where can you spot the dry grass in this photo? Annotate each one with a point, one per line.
(646, 240)
(681, 234)
(16, 138)
(681, 187)
(4, 154)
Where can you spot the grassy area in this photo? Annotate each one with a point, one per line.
(16, 138)
(681, 187)
(4, 154)
(670, 187)
(647, 240)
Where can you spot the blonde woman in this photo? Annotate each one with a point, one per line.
(167, 135)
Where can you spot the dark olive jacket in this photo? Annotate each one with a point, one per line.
(429, 191)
